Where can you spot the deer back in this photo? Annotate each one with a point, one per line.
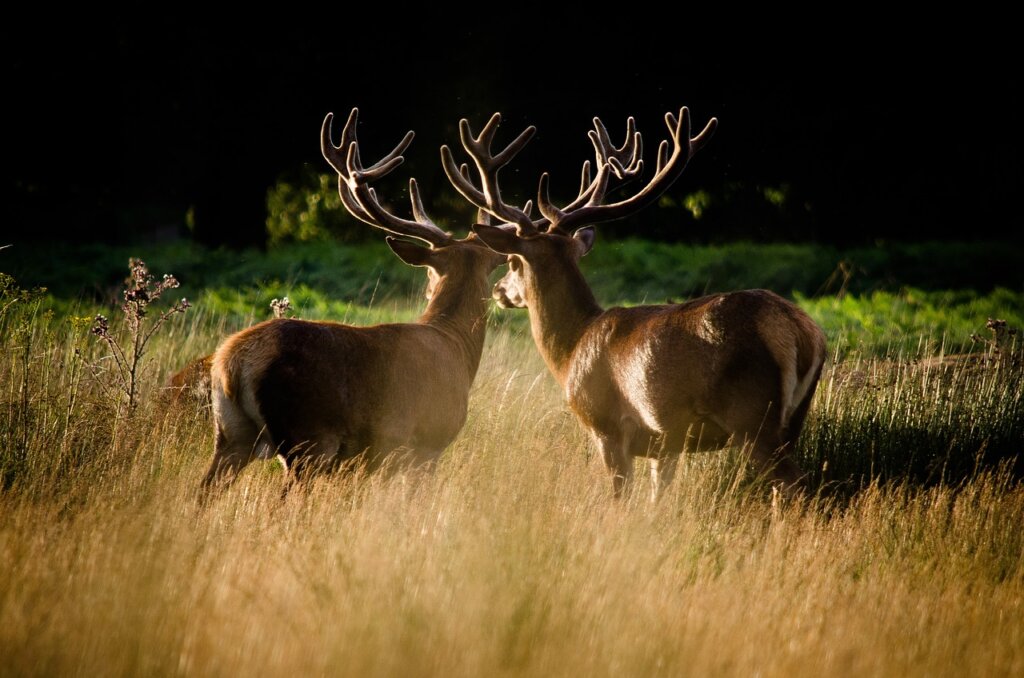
(669, 364)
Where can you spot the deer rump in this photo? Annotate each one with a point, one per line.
(693, 375)
(272, 383)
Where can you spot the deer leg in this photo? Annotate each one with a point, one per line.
(796, 419)
(618, 461)
(665, 455)
(663, 470)
(759, 426)
(229, 458)
(776, 463)
(312, 459)
(289, 476)
(422, 460)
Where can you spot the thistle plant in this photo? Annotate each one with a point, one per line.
(141, 290)
(1003, 345)
(281, 307)
(18, 312)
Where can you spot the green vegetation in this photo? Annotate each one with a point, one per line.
(871, 301)
(620, 271)
(307, 208)
(905, 559)
(912, 322)
(637, 270)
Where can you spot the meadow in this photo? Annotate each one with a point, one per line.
(905, 557)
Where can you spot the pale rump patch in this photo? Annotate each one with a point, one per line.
(237, 423)
(780, 335)
(237, 365)
(804, 385)
(789, 398)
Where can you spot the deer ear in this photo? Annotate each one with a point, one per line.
(414, 255)
(499, 239)
(584, 238)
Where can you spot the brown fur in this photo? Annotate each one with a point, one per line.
(191, 384)
(654, 381)
(319, 394)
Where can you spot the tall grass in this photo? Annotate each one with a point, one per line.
(512, 559)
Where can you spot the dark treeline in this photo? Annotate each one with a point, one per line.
(121, 132)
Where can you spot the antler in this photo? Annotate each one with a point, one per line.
(488, 198)
(623, 164)
(667, 171)
(360, 199)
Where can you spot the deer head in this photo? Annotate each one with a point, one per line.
(444, 256)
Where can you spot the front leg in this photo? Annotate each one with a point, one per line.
(614, 448)
(665, 453)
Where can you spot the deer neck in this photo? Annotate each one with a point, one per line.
(561, 308)
(458, 309)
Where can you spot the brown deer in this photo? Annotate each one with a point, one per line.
(190, 386)
(319, 393)
(649, 381)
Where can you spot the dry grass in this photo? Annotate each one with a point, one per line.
(511, 560)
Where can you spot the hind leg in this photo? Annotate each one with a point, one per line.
(776, 463)
(237, 440)
(307, 460)
(780, 459)
(758, 425)
(796, 420)
(232, 452)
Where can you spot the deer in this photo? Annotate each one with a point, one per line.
(647, 381)
(190, 386)
(318, 394)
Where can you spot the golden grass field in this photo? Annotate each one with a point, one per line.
(512, 559)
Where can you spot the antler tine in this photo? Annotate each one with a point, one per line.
(482, 215)
(669, 167)
(360, 199)
(418, 213)
(585, 177)
(628, 153)
(336, 155)
(391, 160)
(624, 163)
(488, 197)
(662, 155)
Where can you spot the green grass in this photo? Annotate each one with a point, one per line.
(912, 321)
(894, 298)
(620, 270)
(641, 271)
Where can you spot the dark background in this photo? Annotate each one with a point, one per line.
(115, 133)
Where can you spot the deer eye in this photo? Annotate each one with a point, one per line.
(514, 264)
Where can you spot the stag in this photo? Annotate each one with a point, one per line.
(648, 381)
(319, 393)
